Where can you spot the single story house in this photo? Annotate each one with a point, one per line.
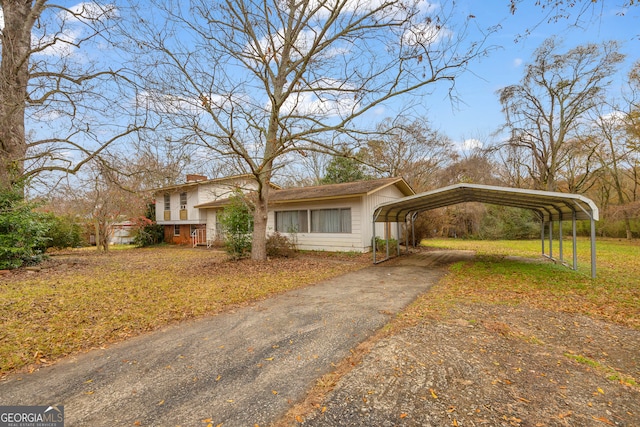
(335, 217)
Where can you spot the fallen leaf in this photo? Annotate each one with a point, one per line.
(600, 390)
(274, 392)
(269, 359)
(433, 393)
(137, 423)
(299, 419)
(454, 423)
(323, 410)
(403, 415)
(161, 403)
(218, 377)
(602, 420)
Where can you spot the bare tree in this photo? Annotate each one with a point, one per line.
(614, 152)
(411, 149)
(544, 112)
(259, 80)
(60, 102)
(564, 9)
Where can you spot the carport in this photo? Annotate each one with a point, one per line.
(549, 207)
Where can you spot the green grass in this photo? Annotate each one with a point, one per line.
(611, 374)
(493, 278)
(90, 299)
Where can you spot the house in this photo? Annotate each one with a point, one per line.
(122, 233)
(335, 217)
(176, 208)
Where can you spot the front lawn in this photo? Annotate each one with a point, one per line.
(82, 299)
(495, 277)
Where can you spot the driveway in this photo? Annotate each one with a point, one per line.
(240, 368)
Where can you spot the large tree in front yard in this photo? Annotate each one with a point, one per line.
(256, 83)
(60, 102)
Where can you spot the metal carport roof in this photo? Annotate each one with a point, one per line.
(549, 206)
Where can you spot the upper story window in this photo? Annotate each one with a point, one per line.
(183, 201)
(331, 220)
(167, 202)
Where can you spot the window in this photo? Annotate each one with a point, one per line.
(183, 201)
(176, 230)
(292, 222)
(167, 202)
(331, 220)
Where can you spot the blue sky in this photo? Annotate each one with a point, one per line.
(479, 114)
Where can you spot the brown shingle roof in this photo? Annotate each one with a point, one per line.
(323, 192)
(332, 191)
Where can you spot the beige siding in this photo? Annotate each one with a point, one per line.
(212, 217)
(197, 194)
(325, 241)
(369, 204)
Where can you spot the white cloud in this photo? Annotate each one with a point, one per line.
(324, 101)
(61, 44)
(380, 111)
(517, 62)
(90, 11)
(425, 34)
(469, 145)
(272, 49)
(394, 10)
(614, 118)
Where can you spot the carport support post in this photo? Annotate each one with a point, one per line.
(560, 239)
(398, 239)
(387, 231)
(542, 225)
(593, 248)
(373, 237)
(551, 239)
(575, 241)
(413, 228)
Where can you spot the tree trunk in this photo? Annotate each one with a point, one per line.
(102, 236)
(14, 75)
(260, 214)
(259, 241)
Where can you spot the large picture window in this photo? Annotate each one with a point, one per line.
(292, 222)
(331, 220)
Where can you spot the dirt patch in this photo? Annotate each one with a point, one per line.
(493, 365)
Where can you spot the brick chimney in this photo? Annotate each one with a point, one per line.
(195, 178)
